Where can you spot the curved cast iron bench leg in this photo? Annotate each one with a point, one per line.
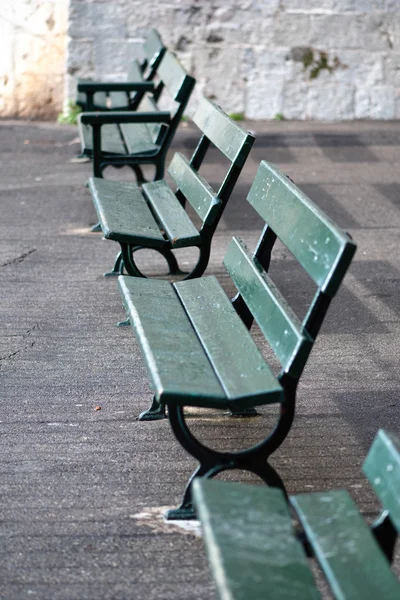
(154, 413)
(117, 268)
(212, 462)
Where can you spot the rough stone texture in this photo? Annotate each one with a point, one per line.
(243, 52)
(32, 57)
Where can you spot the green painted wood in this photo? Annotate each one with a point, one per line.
(239, 365)
(135, 72)
(99, 99)
(138, 138)
(111, 141)
(345, 547)
(250, 544)
(118, 100)
(274, 316)
(123, 213)
(195, 189)
(170, 214)
(174, 77)
(153, 46)
(177, 365)
(148, 104)
(225, 134)
(382, 468)
(319, 245)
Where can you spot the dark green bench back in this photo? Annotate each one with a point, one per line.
(153, 48)
(382, 468)
(321, 248)
(232, 140)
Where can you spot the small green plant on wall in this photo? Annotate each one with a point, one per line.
(70, 117)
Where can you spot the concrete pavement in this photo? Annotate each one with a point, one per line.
(83, 490)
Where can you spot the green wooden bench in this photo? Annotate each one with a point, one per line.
(137, 137)
(196, 343)
(101, 95)
(155, 217)
(255, 552)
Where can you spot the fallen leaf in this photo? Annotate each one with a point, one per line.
(98, 408)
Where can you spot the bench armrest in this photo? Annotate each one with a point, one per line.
(122, 116)
(127, 86)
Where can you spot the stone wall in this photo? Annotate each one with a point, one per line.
(32, 57)
(297, 59)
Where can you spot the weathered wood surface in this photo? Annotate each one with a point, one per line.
(123, 213)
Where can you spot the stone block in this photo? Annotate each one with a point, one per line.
(292, 30)
(111, 60)
(80, 59)
(359, 67)
(346, 31)
(378, 102)
(264, 101)
(219, 70)
(267, 64)
(294, 102)
(391, 64)
(330, 102)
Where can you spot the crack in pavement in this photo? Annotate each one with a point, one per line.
(19, 259)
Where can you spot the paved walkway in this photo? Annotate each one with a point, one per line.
(83, 490)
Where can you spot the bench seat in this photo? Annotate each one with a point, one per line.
(135, 138)
(197, 350)
(255, 551)
(128, 215)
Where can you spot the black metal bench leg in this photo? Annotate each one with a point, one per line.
(186, 511)
(117, 268)
(154, 413)
(96, 228)
(140, 178)
(172, 262)
(385, 534)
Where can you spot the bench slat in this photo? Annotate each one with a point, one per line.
(176, 362)
(171, 215)
(308, 233)
(225, 134)
(174, 77)
(240, 367)
(119, 100)
(274, 316)
(152, 46)
(111, 141)
(382, 467)
(134, 71)
(122, 210)
(345, 547)
(195, 189)
(249, 539)
(138, 138)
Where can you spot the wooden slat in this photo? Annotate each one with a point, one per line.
(250, 544)
(111, 141)
(274, 316)
(138, 138)
(119, 100)
(170, 214)
(134, 72)
(345, 547)
(123, 213)
(177, 366)
(240, 367)
(225, 134)
(319, 245)
(382, 467)
(195, 189)
(173, 76)
(152, 46)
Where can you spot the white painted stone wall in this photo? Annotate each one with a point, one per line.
(32, 57)
(253, 56)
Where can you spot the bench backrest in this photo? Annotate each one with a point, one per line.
(179, 85)
(382, 468)
(232, 141)
(321, 248)
(153, 50)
